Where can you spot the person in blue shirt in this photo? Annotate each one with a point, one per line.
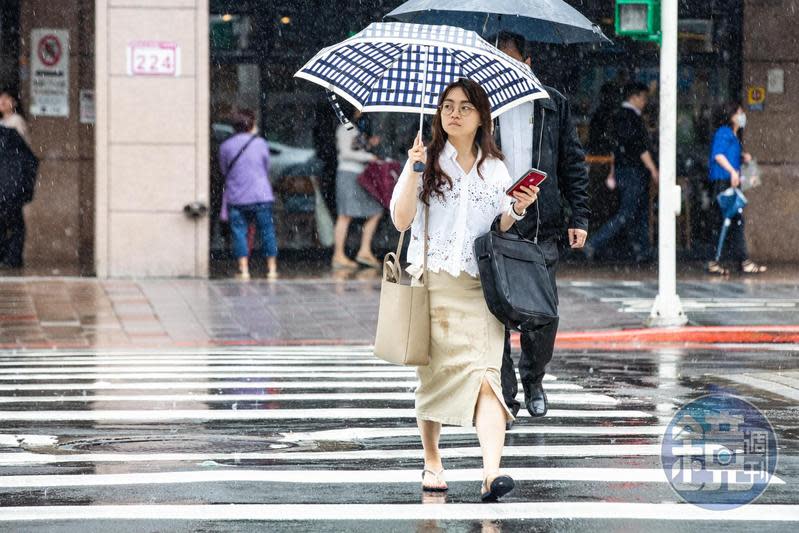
(726, 157)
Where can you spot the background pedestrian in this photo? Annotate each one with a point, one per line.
(18, 167)
(726, 156)
(244, 159)
(352, 201)
(634, 168)
(12, 226)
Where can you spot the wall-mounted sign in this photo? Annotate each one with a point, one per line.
(49, 73)
(87, 113)
(776, 81)
(153, 58)
(756, 98)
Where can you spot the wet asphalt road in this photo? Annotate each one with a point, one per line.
(323, 439)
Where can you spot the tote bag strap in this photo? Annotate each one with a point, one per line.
(394, 264)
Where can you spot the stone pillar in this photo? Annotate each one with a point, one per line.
(152, 142)
(772, 135)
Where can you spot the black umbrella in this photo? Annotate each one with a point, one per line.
(543, 21)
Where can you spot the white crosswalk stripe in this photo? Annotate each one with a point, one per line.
(568, 399)
(335, 477)
(130, 423)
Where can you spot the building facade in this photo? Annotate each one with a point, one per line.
(128, 149)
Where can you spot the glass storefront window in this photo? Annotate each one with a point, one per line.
(230, 32)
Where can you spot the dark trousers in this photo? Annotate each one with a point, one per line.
(537, 346)
(633, 214)
(12, 237)
(735, 243)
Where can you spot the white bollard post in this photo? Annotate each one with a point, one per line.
(667, 310)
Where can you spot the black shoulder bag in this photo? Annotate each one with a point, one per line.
(238, 155)
(514, 276)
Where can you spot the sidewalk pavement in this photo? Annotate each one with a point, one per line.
(598, 306)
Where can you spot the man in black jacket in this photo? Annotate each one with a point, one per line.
(18, 167)
(542, 135)
(634, 168)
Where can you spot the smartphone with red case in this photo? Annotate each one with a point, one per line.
(531, 178)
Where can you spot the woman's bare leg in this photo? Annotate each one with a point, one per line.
(244, 265)
(430, 432)
(367, 235)
(342, 226)
(271, 265)
(490, 421)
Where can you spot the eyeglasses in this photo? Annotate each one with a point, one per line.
(464, 110)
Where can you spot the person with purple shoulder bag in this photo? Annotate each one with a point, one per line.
(248, 197)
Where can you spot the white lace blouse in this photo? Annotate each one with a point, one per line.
(457, 219)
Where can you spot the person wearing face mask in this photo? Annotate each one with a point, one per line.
(726, 156)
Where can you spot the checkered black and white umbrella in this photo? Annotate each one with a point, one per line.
(404, 67)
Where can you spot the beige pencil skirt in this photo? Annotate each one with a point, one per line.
(466, 344)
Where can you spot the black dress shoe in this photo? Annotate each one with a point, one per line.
(537, 401)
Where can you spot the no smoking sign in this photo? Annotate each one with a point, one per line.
(49, 50)
(49, 72)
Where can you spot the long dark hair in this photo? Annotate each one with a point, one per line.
(435, 179)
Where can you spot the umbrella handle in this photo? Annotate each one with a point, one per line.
(419, 166)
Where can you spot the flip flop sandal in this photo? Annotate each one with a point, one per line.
(715, 268)
(500, 486)
(437, 475)
(336, 266)
(750, 267)
(368, 262)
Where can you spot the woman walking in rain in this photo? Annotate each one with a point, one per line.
(352, 200)
(463, 186)
(726, 156)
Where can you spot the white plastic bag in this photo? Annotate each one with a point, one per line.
(750, 175)
(324, 222)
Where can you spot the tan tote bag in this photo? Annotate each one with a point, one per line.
(403, 321)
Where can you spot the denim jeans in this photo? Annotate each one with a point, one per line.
(241, 216)
(537, 346)
(735, 243)
(632, 216)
